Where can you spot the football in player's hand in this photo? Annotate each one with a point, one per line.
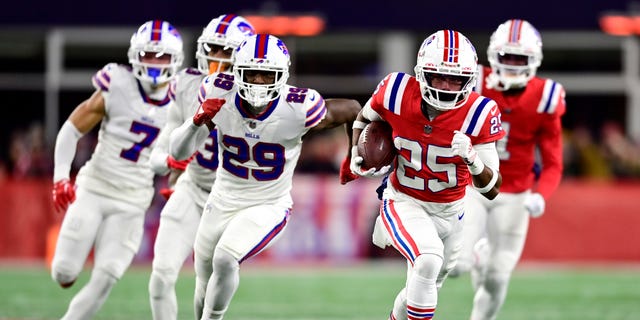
(375, 145)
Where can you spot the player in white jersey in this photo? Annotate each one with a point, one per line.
(115, 187)
(261, 122)
(180, 216)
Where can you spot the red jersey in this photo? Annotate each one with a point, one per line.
(530, 118)
(426, 167)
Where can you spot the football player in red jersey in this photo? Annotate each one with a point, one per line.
(445, 137)
(531, 107)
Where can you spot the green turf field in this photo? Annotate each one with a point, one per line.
(363, 292)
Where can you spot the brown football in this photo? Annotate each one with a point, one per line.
(375, 145)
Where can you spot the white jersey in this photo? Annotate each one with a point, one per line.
(258, 154)
(119, 166)
(184, 91)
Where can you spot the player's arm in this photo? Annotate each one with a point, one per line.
(550, 147)
(489, 179)
(186, 139)
(83, 118)
(482, 161)
(341, 111)
(364, 117)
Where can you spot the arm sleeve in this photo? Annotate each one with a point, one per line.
(185, 139)
(159, 154)
(488, 154)
(370, 114)
(550, 147)
(65, 150)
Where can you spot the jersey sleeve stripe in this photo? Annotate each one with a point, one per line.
(316, 114)
(172, 90)
(202, 94)
(476, 115)
(550, 96)
(101, 80)
(394, 93)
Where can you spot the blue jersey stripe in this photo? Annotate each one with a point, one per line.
(394, 91)
(476, 115)
(548, 105)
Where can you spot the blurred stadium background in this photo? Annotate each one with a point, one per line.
(49, 51)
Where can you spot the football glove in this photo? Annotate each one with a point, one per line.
(534, 203)
(177, 164)
(207, 111)
(461, 145)
(345, 171)
(356, 166)
(63, 194)
(166, 193)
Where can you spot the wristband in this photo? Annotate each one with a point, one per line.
(358, 124)
(490, 185)
(476, 167)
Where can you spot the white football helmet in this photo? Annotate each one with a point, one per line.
(227, 31)
(159, 38)
(513, 37)
(449, 53)
(261, 52)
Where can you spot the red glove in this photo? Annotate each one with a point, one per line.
(345, 171)
(207, 111)
(64, 193)
(178, 164)
(166, 193)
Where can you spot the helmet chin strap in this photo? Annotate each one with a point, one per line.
(217, 66)
(155, 91)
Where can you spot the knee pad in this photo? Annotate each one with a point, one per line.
(495, 282)
(162, 281)
(224, 263)
(64, 275)
(427, 265)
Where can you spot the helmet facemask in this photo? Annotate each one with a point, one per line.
(446, 56)
(160, 40)
(261, 69)
(212, 64)
(225, 32)
(258, 95)
(514, 53)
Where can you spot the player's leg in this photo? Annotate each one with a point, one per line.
(416, 237)
(76, 237)
(507, 229)
(117, 242)
(475, 217)
(213, 222)
(174, 243)
(250, 232)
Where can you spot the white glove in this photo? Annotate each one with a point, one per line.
(461, 145)
(534, 203)
(356, 166)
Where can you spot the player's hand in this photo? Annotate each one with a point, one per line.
(207, 111)
(172, 163)
(345, 171)
(64, 193)
(356, 166)
(166, 193)
(461, 145)
(534, 203)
